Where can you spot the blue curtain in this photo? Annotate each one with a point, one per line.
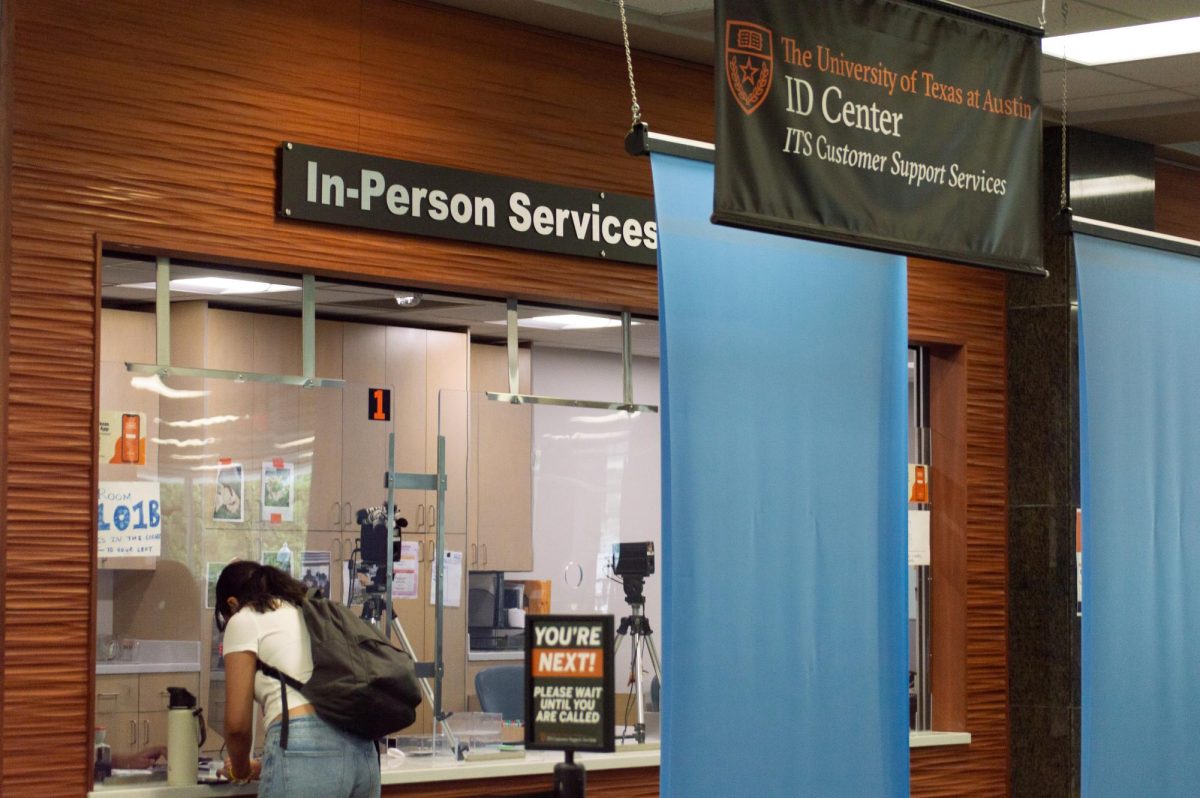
(784, 528)
(1139, 375)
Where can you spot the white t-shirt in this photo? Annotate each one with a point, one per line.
(278, 638)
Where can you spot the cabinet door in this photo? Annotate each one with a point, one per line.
(122, 730)
(446, 414)
(152, 689)
(364, 440)
(116, 693)
(501, 490)
(152, 729)
(454, 633)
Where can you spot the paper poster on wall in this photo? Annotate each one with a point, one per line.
(314, 570)
(406, 572)
(229, 493)
(918, 537)
(452, 572)
(278, 490)
(212, 572)
(280, 558)
(918, 483)
(128, 519)
(122, 438)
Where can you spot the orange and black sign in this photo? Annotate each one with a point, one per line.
(569, 696)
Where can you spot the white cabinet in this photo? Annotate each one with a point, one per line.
(501, 485)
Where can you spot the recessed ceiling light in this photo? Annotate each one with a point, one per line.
(407, 299)
(1111, 185)
(1132, 43)
(218, 285)
(567, 321)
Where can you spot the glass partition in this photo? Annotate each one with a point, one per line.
(550, 493)
(195, 473)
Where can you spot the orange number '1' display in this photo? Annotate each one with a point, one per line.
(379, 404)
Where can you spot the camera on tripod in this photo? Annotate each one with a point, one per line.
(633, 559)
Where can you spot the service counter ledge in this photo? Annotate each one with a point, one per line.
(418, 770)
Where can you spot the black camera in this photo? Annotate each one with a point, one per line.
(633, 559)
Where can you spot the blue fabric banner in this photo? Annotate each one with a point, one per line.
(784, 529)
(1139, 376)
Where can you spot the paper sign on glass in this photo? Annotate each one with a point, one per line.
(129, 519)
(452, 570)
(406, 571)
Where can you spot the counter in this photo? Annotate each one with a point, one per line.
(418, 770)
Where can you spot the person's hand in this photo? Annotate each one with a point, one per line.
(242, 778)
(141, 759)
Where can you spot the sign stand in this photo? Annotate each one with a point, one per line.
(570, 779)
(569, 694)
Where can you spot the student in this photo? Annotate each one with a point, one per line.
(258, 610)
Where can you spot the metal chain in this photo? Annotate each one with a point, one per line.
(635, 108)
(1062, 195)
(1042, 17)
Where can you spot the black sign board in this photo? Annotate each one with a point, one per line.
(368, 191)
(899, 125)
(379, 404)
(569, 695)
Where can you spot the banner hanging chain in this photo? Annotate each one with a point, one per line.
(1042, 17)
(1062, 194)
(634, 108)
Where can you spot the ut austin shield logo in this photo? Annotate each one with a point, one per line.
(749, 63)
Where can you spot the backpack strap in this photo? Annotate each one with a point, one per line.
(285, 682)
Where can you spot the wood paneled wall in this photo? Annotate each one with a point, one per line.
(963, 308)
(6, 41)
(154, 123)
(1177, 200)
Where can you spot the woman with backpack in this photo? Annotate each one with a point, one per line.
(258, 609)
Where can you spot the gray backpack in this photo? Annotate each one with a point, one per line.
(360, 683)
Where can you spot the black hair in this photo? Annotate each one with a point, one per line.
(254, 585)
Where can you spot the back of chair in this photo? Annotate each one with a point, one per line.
(502, 689)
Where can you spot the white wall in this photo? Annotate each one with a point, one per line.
(596, 480)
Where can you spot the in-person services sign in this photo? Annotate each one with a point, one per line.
(900, 125)
(318, 184)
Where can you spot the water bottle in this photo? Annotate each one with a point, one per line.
(185, 734)
(103, 761)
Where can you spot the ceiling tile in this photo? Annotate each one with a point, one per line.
(1080, 16)
(1180, 70)
(1124, 101)
(1153, 10)
(1086, 83)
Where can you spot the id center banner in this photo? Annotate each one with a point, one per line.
(897, 125)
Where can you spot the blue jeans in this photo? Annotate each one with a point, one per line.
(321, 761)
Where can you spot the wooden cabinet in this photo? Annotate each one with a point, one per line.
(501, 468)
(133, 708)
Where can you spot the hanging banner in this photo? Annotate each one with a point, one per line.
(895, 125)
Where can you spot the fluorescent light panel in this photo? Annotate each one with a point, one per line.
(1112, 185)
(218, 285)
(567, 321)
(1133, 43)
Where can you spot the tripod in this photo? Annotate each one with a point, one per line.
(636, 626)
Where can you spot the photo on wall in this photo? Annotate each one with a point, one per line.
(212, 572)
(230, 492)
(314, 570)
(281, 558)
(278, 490)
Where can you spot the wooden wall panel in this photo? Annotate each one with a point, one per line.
(6, 41)
(964, 307)
(630, 783)
(155, 123)
(1177, 200)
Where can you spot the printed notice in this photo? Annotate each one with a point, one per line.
(452, 570)
(569, 682)
(129, 519)
(406, 571)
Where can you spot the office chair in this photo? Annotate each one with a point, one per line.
(502, 689)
